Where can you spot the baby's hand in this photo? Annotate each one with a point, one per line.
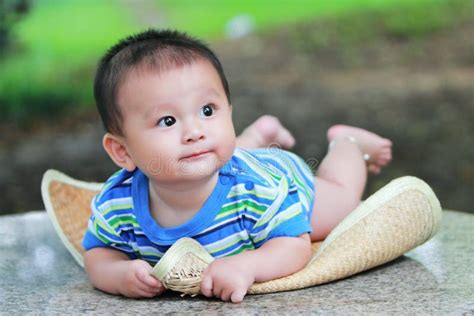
(137, 281)
(227, 278)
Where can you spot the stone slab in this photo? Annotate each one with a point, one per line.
(39, 276)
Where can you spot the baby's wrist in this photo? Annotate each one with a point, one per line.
(249, 260)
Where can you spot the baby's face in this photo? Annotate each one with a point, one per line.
(178, 123)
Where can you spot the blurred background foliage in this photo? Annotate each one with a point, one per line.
(401, 68)
(10, 13)
(50, 47)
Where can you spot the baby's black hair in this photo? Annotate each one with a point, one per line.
(156, 50)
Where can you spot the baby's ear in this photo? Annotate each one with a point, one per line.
(117, 151)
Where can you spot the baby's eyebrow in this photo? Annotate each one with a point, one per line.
(169, 105)
(212, 91)
(158, 107)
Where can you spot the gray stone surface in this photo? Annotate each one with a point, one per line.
(37, 275)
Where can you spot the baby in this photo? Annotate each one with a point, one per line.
(165, 104)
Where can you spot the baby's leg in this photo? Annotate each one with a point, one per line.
(265, 131)
(342, 175)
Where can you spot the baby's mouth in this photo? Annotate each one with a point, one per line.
(197, 155)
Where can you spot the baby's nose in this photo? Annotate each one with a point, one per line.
(193, 134)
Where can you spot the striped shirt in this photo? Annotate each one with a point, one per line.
(260, 194)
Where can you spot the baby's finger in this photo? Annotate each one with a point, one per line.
(146, 278)
(146, 288)
(225, 295)
(144, 293)
(217, 291)
(206, 286)
(160, 290)
(137, 292)
(238, 295)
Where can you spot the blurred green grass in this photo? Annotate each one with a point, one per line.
(189, 15)
(413, 21)
(59, 42)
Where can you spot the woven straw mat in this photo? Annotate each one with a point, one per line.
(397, 218)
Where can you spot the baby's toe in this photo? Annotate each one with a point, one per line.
(383, 162)
(386, 142)
(373, 168)
(287, 140)
(385, 157)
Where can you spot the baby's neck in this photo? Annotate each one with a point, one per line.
(173, 205)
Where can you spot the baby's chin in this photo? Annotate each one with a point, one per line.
(191, 170)
(206, 166)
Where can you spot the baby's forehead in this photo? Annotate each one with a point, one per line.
(160, 62)
(146, 69)
(139, 76)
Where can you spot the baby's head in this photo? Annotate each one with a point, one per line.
(153, 51)
(165, 104)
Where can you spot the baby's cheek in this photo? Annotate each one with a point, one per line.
(227, 149)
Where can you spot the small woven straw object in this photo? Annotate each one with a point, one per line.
(397, 218)
(181, 267)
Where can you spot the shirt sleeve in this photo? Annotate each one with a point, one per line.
(285, 217)
(100, 234)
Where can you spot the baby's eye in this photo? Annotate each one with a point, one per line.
(206, 110)
(166, 121)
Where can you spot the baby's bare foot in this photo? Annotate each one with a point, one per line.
(265, 131)
(378, 148)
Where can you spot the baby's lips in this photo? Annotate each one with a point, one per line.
(196, 154)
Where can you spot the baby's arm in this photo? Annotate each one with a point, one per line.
(229, 278)
(113, 272)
